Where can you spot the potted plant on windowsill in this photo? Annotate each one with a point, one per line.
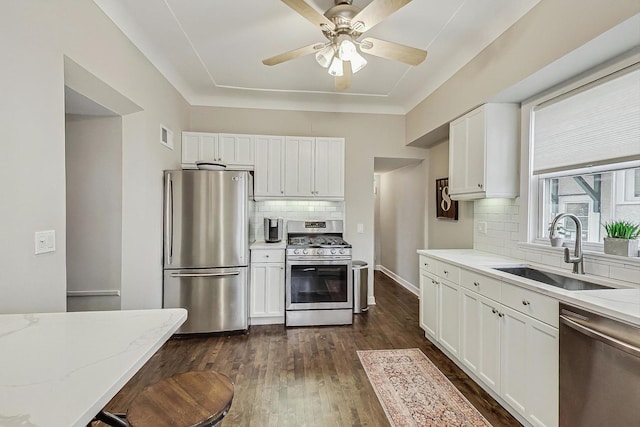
(556, 237)
(622, 238)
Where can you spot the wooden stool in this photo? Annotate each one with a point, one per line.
(192, 399)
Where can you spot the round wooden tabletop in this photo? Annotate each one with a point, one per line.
(192, 399)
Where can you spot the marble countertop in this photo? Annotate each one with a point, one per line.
(264, 245)
(60, 369)
(621, 303)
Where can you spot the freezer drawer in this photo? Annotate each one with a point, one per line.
(215, 298)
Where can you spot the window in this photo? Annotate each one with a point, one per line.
(595, 198)
(585, 147)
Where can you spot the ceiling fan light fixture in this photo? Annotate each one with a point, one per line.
(325, 56)
(357, 63)
(347, 50)
(336, 69)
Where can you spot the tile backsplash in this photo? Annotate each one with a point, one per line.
(506, 235)
(294, 210)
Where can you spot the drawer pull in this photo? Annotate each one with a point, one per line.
(476, 284)
(494, 311)
(446, 272)
(525, 302)
(266, 256)
(500, 314)
(426, 264)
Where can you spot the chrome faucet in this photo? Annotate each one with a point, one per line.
(576, 259)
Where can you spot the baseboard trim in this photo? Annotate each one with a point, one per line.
(404, 283)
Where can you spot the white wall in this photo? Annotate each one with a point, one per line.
(402, 221)
(551, 30)
(94, 209)
(367, 136)
(36, 35)
(446, 234)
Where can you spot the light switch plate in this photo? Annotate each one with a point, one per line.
(482, 227)
(360, 228)
(45, 241)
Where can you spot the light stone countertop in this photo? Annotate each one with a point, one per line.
(622, 303)
(264, 245)
(60, 369)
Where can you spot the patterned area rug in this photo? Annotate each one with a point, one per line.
(413, 392)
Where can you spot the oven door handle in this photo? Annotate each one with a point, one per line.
(597, 335)
(309, 269)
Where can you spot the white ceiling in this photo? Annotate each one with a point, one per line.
(212, 50)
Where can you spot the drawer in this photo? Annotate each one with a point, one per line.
(267, 255)
(428, 264)
(484, 285)
(449, 272)
(531, 303)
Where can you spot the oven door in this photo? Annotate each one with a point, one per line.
(318, 284)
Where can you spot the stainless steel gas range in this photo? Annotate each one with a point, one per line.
(319, 289)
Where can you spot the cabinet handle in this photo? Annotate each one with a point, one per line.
(476, 284)
(525, 302)
(446, 273)
(500, 314)
(434, 282)
(494, 311)
(281, 191)
(426, 265)
(266, 256)
(479, 185)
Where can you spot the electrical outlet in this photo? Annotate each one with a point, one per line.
(45, 241)
(482, 227)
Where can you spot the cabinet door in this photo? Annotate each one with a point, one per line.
(449, 316)
(299, 166)
(470, 329)
(429, 304)
(542, 374)
(267, 290)
(489, 365)
(236, 150)
(514, 375)
(475, 179)
(198, 146)
(458, 156)
(269, 166)
(329, 167)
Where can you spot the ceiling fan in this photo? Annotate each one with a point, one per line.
(343, 24)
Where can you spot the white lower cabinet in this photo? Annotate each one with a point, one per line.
(511, 353)
(267, 289)
(429, 304)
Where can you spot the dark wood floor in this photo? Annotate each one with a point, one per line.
(309, 376)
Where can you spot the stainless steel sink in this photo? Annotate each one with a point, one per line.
(568, 283)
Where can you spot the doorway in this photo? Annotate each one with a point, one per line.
(93, 169)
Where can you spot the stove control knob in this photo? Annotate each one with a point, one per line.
(341, 251)
(333, 251)
(320, 252)
(296, 251)
(304, 251)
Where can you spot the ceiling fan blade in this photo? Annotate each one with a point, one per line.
(312, 15)
(293, 54)
(343, 82)
(376, 11)
(394, 51)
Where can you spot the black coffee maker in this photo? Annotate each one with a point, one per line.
(273, 230)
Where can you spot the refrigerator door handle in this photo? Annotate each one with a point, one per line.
(169, 218)
(231, 273)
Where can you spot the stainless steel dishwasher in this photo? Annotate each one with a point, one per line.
(599, 370)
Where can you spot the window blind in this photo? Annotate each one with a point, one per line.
(597, 125)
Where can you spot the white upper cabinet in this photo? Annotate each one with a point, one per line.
(314, 167)
(329, 167)
(269, 167)
(484, 153)
(234, 150)
(198, 146)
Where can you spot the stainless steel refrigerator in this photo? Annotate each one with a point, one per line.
(206, 248)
